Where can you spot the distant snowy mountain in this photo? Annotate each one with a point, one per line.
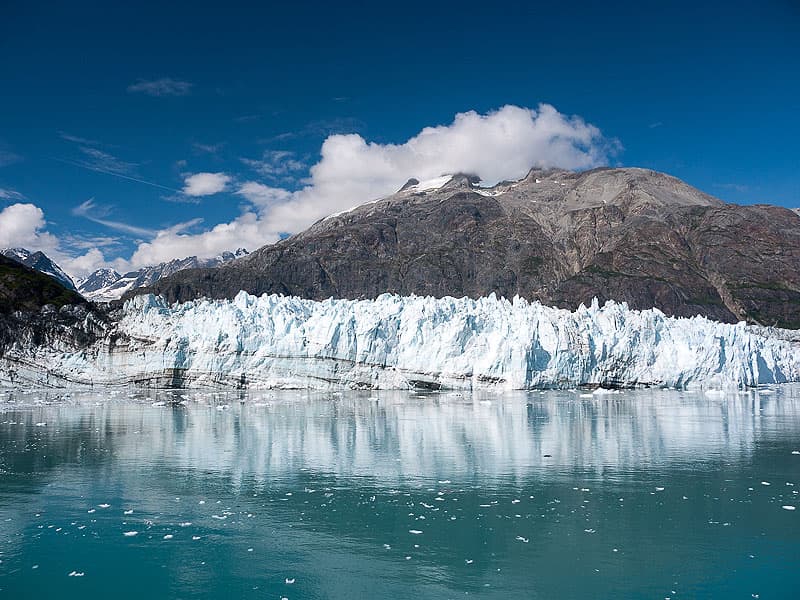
(105, 285)
(42, 263)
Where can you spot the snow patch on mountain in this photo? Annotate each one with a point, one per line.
(406, 342)
(105, 285)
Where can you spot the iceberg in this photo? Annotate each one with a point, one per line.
(397, 342)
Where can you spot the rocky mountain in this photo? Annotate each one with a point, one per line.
(42, 263)
(24, 288)
(560, 237)
(105, 285)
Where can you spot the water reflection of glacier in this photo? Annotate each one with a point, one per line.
(395, 437)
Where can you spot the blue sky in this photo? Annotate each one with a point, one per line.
(128, 133)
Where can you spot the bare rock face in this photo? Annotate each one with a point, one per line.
(560, 237)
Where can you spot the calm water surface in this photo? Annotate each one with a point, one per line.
(400, 495)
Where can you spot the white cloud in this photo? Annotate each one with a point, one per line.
(21, 225)
(165, 86)
(499, 145)
(205, 184)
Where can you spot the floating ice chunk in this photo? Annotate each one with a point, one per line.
(104, 505)
(787, 507)
(128, 512)
(414, 531)
(76, 574)
(130, 533)
(765, 483)
(169, 536)
(524, 540)
(290, 581)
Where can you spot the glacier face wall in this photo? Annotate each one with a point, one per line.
(402, 342)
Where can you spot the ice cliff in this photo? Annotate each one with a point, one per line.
(402, 342)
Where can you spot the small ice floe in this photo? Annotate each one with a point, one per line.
(169, 536)
(130, 533)
(602, 391)
(788, 507)
(446, 481)
(90, 511)
(795, 451)
(195, 537)
(515, 501)
(765, 483)
(524, 540)
(104, 505)
(469, 561)
(45, 425)
(659, 489)
(76, 574)
(186, 524)
(290, 581)
(128, 512)
(589, 530)
(414, 531)
(387, 547)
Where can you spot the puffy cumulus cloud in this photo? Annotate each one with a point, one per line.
(246, 231)
(496, 146)
(24, 226)
(205, 184)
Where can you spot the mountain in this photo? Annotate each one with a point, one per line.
(105, 285)
(23, 288)
(40, 262)
(556, 236)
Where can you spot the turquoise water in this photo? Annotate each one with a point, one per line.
(400, 495)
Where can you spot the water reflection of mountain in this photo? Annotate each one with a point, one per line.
(396, 436)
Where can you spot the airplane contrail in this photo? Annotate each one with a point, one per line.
(115, 174)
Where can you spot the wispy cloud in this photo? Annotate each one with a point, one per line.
(655, 125)
(276, 164)
(320, 128)
(108, 162)
(98, 213)
(208, 148)
(77, 139)
(165, 86)
(7, 157)
(7, 194)
(736, 187)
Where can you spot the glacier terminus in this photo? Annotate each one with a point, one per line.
(402, 342)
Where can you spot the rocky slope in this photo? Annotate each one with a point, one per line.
(559, 237)
(42, 263)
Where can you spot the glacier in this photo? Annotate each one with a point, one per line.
(395, 342)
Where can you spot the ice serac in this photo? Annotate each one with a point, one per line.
(416, 342)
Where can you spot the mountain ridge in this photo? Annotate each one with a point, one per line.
(628, 234)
